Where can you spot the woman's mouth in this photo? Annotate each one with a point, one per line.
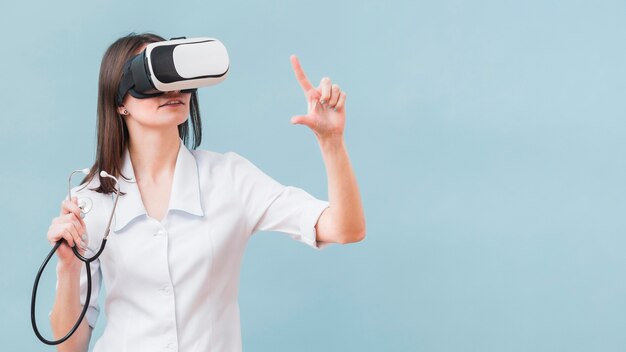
(172, 103)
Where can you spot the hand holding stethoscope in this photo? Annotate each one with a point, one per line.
(68, 233)
(69, 226)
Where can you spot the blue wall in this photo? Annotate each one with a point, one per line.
(487, 138)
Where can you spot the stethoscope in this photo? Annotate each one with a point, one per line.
(85, 205)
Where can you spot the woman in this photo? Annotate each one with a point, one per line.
(171, 265)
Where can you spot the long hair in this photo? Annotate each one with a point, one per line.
(113, 134)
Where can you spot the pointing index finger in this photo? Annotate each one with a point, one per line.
(300, 76)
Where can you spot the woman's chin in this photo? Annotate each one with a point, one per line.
(173, 118)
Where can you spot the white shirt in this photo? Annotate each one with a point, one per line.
(173, 285)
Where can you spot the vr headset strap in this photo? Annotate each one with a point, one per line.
(126, 84)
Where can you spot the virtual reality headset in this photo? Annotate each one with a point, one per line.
(177, 64)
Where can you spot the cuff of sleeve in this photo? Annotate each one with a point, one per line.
(92, 316)
(310, 216)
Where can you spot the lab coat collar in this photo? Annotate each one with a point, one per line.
(185, 194)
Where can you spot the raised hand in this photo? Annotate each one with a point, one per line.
(326, 113)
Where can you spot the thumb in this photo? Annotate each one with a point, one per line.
(302, 120)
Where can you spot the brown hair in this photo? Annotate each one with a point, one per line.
(112, 131)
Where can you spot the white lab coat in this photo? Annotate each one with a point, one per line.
(173, 285)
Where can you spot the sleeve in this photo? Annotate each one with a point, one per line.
(271, 206)
(93, 311)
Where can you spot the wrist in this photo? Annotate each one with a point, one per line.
(69, 269)
(331, 141)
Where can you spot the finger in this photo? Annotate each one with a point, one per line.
(72, 229)
(74, 220)
(325, 88)
(300, 76)
(64, 232)
(313, 97)
(77, 211)
(55, 233)
(80, 218)
(341, 103)
(303, 120)
(81, 243)
(70, 219)
(76, 235)
(67, 235)
(64, 209)
(334, 95)
(70, 207)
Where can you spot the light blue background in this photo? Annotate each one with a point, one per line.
(487, 138)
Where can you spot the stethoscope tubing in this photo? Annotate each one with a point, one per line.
(87, 262)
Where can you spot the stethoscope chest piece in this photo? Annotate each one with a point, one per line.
(85, 205)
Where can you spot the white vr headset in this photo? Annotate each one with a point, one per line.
(177, 64)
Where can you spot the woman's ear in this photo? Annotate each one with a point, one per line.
(122, 110)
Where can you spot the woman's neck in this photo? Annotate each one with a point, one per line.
(153, 154)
